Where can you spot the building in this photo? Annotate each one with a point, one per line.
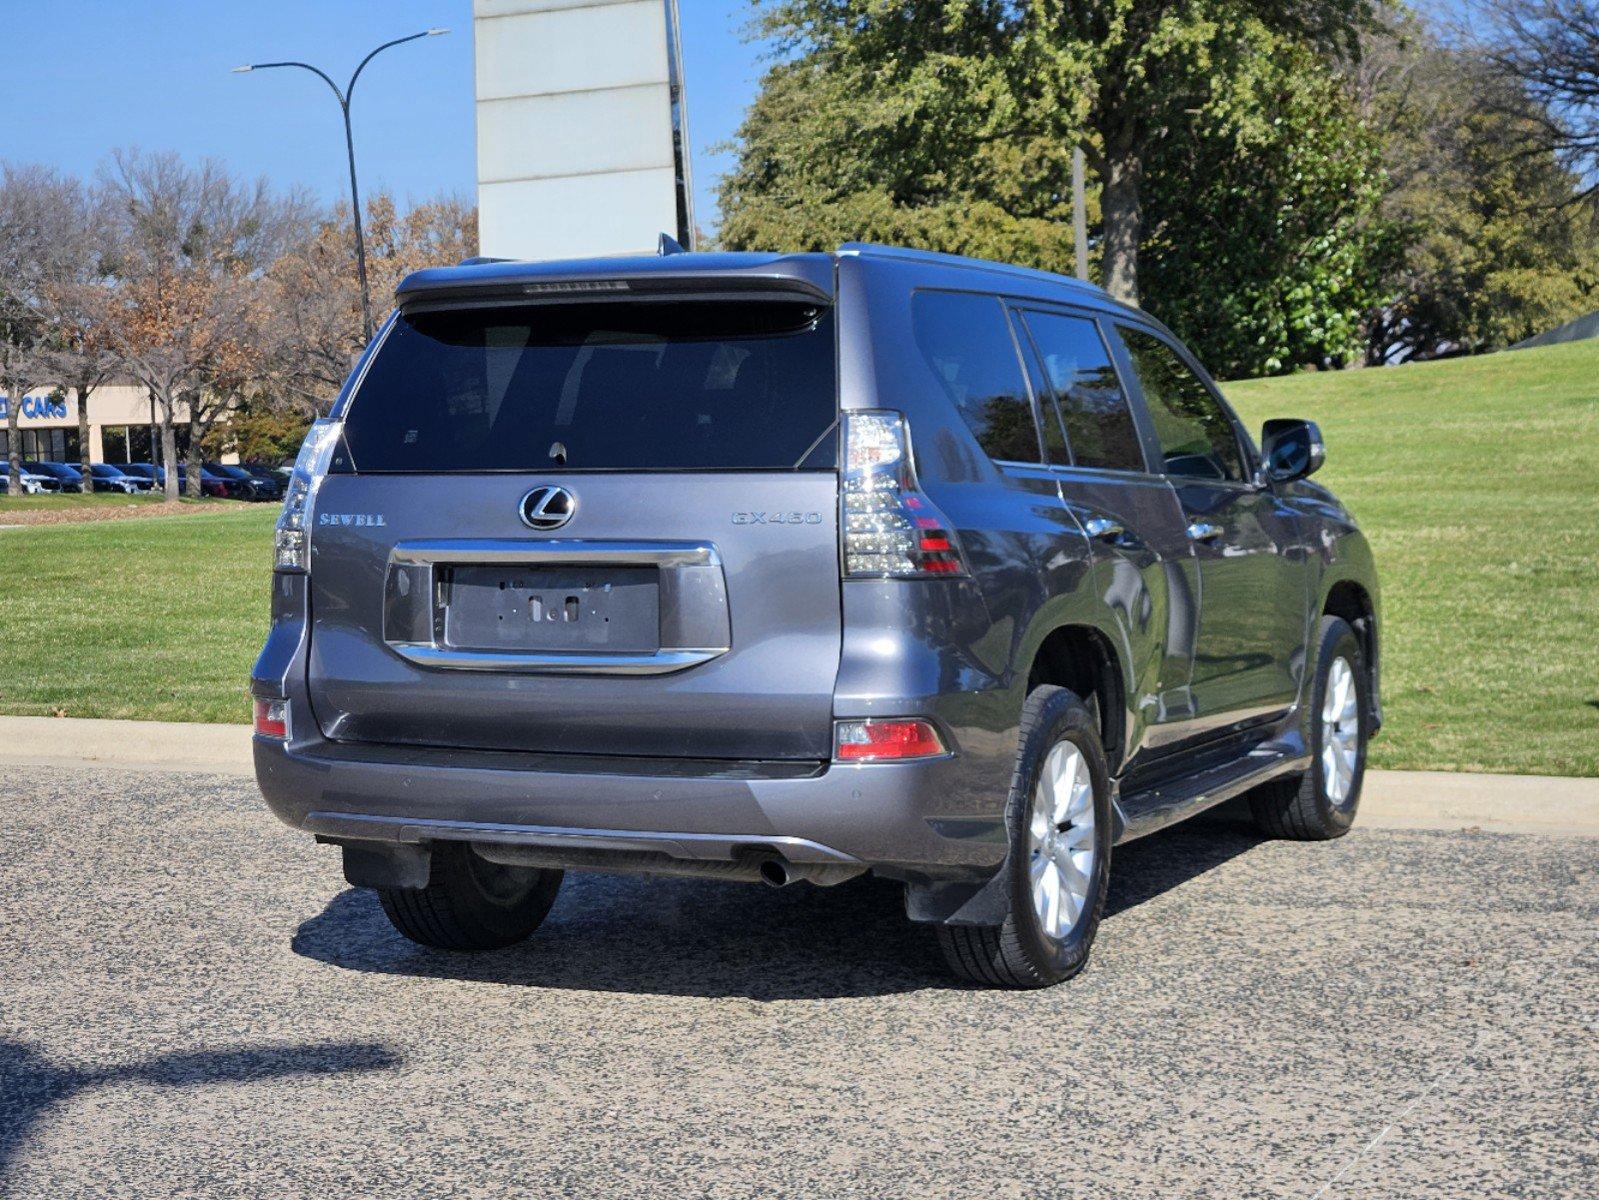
(123, 425)
(582, 128)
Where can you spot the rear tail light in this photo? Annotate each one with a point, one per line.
(272, 719)
(290, 551)
(878, 740)
(891, 530)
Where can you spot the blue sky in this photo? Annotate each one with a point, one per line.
(97, 74)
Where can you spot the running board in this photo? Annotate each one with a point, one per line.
(1144, 812)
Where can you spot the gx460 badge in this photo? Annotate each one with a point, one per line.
(777, 518)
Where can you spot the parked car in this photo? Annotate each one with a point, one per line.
(210, 484)
(953, 572)
(244, 484)
(149, 472)
(32, 484)
(108, 478)
(68, 478)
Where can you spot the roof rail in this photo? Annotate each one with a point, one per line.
(875, 250)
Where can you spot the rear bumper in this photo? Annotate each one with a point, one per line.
(895, 817)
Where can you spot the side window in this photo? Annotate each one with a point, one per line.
(1093, 407)
(1196, 436)
(967, 343)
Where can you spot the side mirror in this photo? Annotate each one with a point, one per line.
(1291, 449)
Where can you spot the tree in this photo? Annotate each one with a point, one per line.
(1548, 51)
(78, 351)
(1040, 76)
(1264, 247)
(1258, 191)
(192, 243)
(32, 200)
(1492, 249)
(1125, 69)
(314, 295)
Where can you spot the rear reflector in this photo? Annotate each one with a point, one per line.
(272, 718)
(878, 740)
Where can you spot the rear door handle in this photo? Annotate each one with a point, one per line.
(1103, 528)
(1203, 531)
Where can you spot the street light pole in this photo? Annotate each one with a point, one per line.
(349, 147)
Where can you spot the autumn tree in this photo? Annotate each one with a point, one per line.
(192, 244)
(314, 295)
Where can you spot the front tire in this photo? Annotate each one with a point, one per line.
(1321, 803)
(470, 903)
(1058, 868)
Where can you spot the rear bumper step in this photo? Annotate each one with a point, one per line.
(702, 846)
(907, 817)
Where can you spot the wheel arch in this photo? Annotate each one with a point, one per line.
(1083, 658)
(1352, 601)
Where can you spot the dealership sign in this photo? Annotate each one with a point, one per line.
(36, 408)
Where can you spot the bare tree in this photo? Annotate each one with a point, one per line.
(1550, 50)
(32, 200)
(75, 301)
(189, 241)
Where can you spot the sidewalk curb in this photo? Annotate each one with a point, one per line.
(126, 745)
(1392, 799)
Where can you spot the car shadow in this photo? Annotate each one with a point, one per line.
(31, 1084)
(679, 937)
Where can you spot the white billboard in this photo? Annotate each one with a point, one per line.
(581, 131)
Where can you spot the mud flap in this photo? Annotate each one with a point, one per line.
(963, 902)
(387, 864)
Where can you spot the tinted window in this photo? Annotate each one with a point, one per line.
(966, 340)
(679, 385)
(1196, 436)
(1093, 407)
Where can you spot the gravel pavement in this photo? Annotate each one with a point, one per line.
(192, 1003)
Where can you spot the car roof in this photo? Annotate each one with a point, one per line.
(733, 271)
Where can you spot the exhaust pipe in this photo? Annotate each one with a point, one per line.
(774, 872)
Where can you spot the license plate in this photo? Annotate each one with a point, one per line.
(551, 609)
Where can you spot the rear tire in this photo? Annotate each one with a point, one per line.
(1058, 831)
(471, 904)
(1320, 804)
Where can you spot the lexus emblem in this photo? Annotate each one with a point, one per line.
(547, 507)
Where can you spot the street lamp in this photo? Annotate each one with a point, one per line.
(349, 145)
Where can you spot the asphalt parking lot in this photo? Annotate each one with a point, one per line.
(193, 1003)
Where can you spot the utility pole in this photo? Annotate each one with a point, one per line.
(1079, 213)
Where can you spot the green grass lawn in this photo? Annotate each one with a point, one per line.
(157, 618)
(1477, 481)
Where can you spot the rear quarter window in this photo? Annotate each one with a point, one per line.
(664, 385)
(966, 341)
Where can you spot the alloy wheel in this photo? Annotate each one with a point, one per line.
(1061, 840)
(1340, 731)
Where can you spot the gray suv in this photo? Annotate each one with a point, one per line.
(782, 568)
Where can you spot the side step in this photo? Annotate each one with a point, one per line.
(1144, 812)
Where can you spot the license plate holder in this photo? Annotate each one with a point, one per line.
(546, 609)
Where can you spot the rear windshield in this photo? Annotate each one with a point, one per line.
(671, 385)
